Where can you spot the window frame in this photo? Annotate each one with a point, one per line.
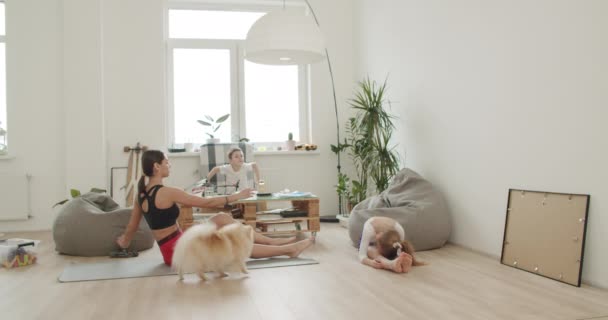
(4, 124)
(197, 44)
(237, 74)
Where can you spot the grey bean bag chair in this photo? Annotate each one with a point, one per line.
(414, 203)
(89, 225)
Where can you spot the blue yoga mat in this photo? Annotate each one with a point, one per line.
(147, 267)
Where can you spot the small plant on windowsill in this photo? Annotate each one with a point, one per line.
(290, 143)
(213, 126)
(3, 148)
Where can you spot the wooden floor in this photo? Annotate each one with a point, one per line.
(458, 284)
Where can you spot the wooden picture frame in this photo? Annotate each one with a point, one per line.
(545, 234)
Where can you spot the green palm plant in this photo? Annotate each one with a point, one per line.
(214, 125)
(75, 193)
(368, 142)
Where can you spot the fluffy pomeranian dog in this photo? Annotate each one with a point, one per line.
(204, 248)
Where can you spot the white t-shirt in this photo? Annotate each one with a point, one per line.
(241, 177)
(369, 235)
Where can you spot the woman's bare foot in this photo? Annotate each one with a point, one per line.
(298, 247)
(406, 262)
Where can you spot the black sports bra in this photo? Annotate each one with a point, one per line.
(158, 218)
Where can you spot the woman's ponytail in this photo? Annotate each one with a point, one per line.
(148, 159)
(141, 185)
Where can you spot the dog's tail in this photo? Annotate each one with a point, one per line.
(181, 261)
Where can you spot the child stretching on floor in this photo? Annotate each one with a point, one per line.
(383, 246)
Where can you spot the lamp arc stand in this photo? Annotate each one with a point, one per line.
(333, 88)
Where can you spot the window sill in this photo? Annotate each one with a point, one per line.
(183, 154)
(285, 153)
(7, 157)
(255, 153)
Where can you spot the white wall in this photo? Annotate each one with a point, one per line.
(91, 80)
(35, 112)
(83, 94)
(134, 52)
(336, 20)
(494, 95)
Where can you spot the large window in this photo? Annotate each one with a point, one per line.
(3, 120)
(208, 76)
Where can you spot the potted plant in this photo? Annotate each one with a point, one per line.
(368, 144)
(290, 143)
(213, 126)
(75, 193)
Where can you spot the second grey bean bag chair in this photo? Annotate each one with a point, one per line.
(414, 203)
(89, 225)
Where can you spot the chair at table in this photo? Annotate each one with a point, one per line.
(213, 155)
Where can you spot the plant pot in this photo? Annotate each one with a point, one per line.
(347, 206)
(290, 145)
(189, 146)
(213, 140)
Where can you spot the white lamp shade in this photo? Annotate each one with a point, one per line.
(284, 37)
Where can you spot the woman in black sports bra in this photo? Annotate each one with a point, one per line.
(158, 204)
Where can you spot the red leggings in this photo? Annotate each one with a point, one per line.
(167, 245)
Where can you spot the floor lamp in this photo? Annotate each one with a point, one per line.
(284, 37)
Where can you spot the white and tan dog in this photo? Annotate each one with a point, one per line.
(204, 248)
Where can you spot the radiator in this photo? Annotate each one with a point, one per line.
(273, 179)
(273, 182)
(14, 197)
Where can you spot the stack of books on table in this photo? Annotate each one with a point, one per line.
(293, 194)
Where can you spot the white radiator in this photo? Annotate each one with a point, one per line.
(274, 182)
(14, 196)
(272, 177)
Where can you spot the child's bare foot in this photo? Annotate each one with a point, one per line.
(281, 241)
(398, 265)
(392, 265)
(298, 247)
(406, 262)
